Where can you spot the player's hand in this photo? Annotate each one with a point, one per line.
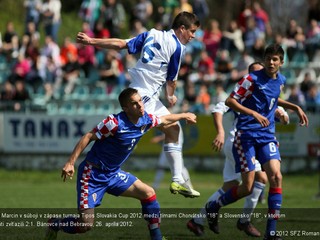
(304, 121)
(261, 119)
(83, 38)
(282, 116)
(218, 142)
(172, 100)
(67, 171)
(191, 118)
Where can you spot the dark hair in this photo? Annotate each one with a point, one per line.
(250, 68)
(186, 19)
(274, 49)
(125, 95)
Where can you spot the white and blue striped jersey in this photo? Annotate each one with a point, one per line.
(117, 139)
(160, 59)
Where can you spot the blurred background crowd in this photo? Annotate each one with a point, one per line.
(42, 71)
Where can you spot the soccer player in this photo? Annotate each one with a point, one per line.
(256, 97)
(114, 139)
(159, 63)
(231, 178)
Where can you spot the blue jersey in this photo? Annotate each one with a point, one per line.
(117, 139)
(160, 59)
(260, 93)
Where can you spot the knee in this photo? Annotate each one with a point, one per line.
(261, 177)
(149, 192)
(276, 179)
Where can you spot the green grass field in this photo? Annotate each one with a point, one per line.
(34, 194)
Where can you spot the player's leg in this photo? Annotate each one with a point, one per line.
(272, 169)
(269, 157)
(150, 206)
(243, 152)
(173, 150)
(244, 223)
(85, 188)
(172, 146)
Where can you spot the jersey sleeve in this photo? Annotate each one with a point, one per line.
(155, 120)
(243, 88)
(220, 107)
(135, 44)
(175, 61)
(106, 127)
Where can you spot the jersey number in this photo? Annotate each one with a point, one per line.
(272, 103)
(272, 147)
(148, 54)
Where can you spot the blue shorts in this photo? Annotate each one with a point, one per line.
(93, 183)
(249, 146)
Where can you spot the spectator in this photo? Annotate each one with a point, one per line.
(51, 18)
(313, 99)
(212, 37)
(166, 12)
(201, 9)
(86, 58)
(68, 48)
(70, 74)
(220, 95)
(111, 69)
(6, 94)
(232, 39)
(262, 20)
(296, 96)
(203, 100)
(306, 83)
(21, 95)
(10, 42)
(90, 11)
(33, 8)
(20, 69)
(251, 34)
(258, 49)
(137, 28)
(313, 38)
(100, 31)
(205, 70)
(142, 11)
(114, 17)
(32, 32)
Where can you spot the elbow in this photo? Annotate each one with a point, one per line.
(227, 102)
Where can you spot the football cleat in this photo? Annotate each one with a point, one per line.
(196, 228)
(52, 232)
(183, 189)
(213, 219)
(248, 228)
(272, 238)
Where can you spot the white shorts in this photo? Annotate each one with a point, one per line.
(229, 171)
(152, 104)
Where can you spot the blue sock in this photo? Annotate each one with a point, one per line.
(151, 213)
(227, 198)
(274, 204)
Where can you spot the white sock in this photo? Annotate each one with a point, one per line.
(186, 176)
(173, 153)
(213, 197)
(251, 201)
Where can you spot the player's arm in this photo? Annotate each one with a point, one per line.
(170, 90)
(301, 114)
(281, 115)
(237, 107)
(217, 114)
(172, 118)
(218, 141)
(108, 43)
(68, 169)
